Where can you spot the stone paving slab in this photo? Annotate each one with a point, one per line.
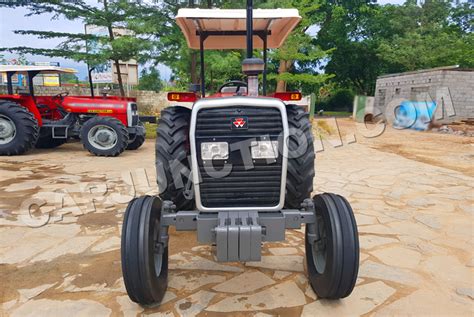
(415, 223)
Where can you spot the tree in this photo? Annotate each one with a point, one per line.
(299, 55)
(68, 78)
(150, 80)
(111, 15)
(438, 35)
(343, 28)
(371, 40)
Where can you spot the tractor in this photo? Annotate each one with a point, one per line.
(106, 125)
(237, 168)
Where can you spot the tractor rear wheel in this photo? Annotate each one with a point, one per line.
(299, 179)
(138, 141)
(332, 247)
(18, 128)
(172, 151)
(46, 140)
(104, 136)
(144, 257)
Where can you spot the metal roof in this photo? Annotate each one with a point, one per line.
(226, 29)
(40, 69)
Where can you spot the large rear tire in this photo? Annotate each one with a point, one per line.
(104, 136)
(144, 263)
(332, 247)
(18, 129)
(172, 151)
(299, 179)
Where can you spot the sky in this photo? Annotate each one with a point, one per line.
(14, 19)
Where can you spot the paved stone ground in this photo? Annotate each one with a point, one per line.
(415, 221)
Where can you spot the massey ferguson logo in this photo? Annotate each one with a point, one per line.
(240, 123)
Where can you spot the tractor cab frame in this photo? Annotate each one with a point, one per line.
(248, 167)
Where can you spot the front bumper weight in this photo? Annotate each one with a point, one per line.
(136, 130)
(238, 235)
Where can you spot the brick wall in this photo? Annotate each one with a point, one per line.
(149, 102)
(409, 86)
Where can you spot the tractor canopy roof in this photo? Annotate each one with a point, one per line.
(36, 69)
(226, 29)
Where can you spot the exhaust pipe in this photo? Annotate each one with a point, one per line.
(252, 67)
(249, 28)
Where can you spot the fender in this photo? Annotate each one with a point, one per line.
(27, 102)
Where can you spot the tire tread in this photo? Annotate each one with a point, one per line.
(29, 129)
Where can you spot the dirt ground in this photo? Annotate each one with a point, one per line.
(412, 193)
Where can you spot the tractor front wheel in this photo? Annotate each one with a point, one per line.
(137, 141)
(104, 136)
(18, 128)
(332, 247)
(144, 257)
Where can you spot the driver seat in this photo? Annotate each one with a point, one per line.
(232, 89)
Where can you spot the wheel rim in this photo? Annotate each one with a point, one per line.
(158, 252)
(319, 247)
(102, 137)
(7, 130)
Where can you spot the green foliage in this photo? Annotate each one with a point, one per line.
(150, 129)
(438, 35)
(339, 100)
(221, 67)
(131, 16)
(68, 78)
(371, 39)
(150, 80)
(108, 14)
(344, 43)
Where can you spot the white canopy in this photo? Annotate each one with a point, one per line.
(41, 69)
(225, 29)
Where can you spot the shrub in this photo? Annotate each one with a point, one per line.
(340, 100)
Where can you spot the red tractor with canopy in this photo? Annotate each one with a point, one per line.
(106, 125)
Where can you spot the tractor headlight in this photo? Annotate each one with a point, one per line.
(264, 149)
(214, 150)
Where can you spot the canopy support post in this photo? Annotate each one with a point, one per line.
(32, 74)
(9, 82)
(249, 28)
(202, 38)
(265, 49)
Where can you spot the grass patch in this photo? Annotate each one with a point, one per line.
(321, 129)
(336, 114)
(323, 126)
(150, 130)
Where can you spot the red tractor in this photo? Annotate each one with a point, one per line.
(106, 125)
(238, 169)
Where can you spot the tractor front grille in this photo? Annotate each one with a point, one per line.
(243, 185)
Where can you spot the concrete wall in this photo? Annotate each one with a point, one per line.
(437, 83)
(149, 102)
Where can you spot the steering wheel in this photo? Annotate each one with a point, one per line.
(61, 95)
(234, 83)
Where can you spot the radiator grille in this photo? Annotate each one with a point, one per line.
(242, 187)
